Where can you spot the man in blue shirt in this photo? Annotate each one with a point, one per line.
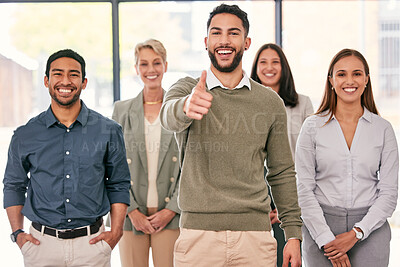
(66, 169)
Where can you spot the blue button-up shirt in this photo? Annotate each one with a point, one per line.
(67, 177)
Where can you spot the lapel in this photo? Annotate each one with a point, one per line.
(165, 140)
(136, 117)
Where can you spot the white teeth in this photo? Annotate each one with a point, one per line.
(224, 52)
(269, 74)
(64, 91)
(350, 90)
(151, 77)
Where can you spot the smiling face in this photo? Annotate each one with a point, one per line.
(65, 82)
(269, 68)
(349, 80)
(151, 68)
(226, 42)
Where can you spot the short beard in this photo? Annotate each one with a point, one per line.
(71, 102)
(236, 61)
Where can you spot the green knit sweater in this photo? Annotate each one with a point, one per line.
(222, 184)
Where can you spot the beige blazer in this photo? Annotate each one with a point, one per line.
(130, 115)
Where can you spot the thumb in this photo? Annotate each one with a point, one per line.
(201, 85)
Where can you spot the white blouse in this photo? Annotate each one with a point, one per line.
(330, 173)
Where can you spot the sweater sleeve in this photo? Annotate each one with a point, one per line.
(281, 176)
(171, 115)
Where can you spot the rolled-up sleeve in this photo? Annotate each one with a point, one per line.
(117, 171)
(15, 177)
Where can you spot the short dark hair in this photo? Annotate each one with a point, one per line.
(230, 9)
(287, 90)
(66, 53)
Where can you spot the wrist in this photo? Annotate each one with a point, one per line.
(359, 234)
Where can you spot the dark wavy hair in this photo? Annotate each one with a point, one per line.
(231, 9)
(329, 100)
(287, 90)
(66, 53)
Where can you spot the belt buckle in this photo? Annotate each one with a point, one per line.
(63, 231)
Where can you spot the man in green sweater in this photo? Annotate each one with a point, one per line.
(226, 127)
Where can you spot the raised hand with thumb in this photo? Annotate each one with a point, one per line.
(199, 101)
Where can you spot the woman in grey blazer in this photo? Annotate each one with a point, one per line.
(152, 155)
(271, 69)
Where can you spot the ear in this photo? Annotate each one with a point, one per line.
(366, 79)
(84, 83)
(206, 42)
(330, 80)
(166, 67)
(247, 43)
(46, 81)
(137, 70)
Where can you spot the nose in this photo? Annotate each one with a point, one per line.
(66, 80)
(224, 39)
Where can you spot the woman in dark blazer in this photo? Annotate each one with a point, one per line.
(152, 155)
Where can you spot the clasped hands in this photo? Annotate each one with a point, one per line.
(151, 224)
(336, 250)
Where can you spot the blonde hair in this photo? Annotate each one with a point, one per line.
(153, 44)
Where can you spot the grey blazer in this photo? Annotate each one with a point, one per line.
(130, 115)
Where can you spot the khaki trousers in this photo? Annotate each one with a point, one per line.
(54, 252)
(134, 249)
(198, 248)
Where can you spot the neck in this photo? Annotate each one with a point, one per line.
(349, 112)
(229, 79)
(66, 115)
(275, 88)
(152, 94)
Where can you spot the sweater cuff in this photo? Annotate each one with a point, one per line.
(181, 116)
(293, 232)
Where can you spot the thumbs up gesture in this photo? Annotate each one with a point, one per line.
(199, 101)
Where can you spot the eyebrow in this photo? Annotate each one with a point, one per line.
(54, 70)
(230, 29)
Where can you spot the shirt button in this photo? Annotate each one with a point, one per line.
(67, 152)
(68, 130)
(129, 161)
(131, 182)
(67, 176)
(172, 179)
(167, 199)
(174, 159)
(67, 200)
(69, 220)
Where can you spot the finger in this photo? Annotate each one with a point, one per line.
(335, 257)
(203, 100)
(201, 85)
(30, 238)
(285, 262)
(195, 116)
(198, 110)
(96, 239)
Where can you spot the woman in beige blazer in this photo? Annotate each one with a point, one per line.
(271, 69)
(152, 155)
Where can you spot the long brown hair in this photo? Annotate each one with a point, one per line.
(287, 90)
(329, 100)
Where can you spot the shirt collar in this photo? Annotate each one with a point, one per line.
(367, 115)
(82, 117)
(213, 81)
